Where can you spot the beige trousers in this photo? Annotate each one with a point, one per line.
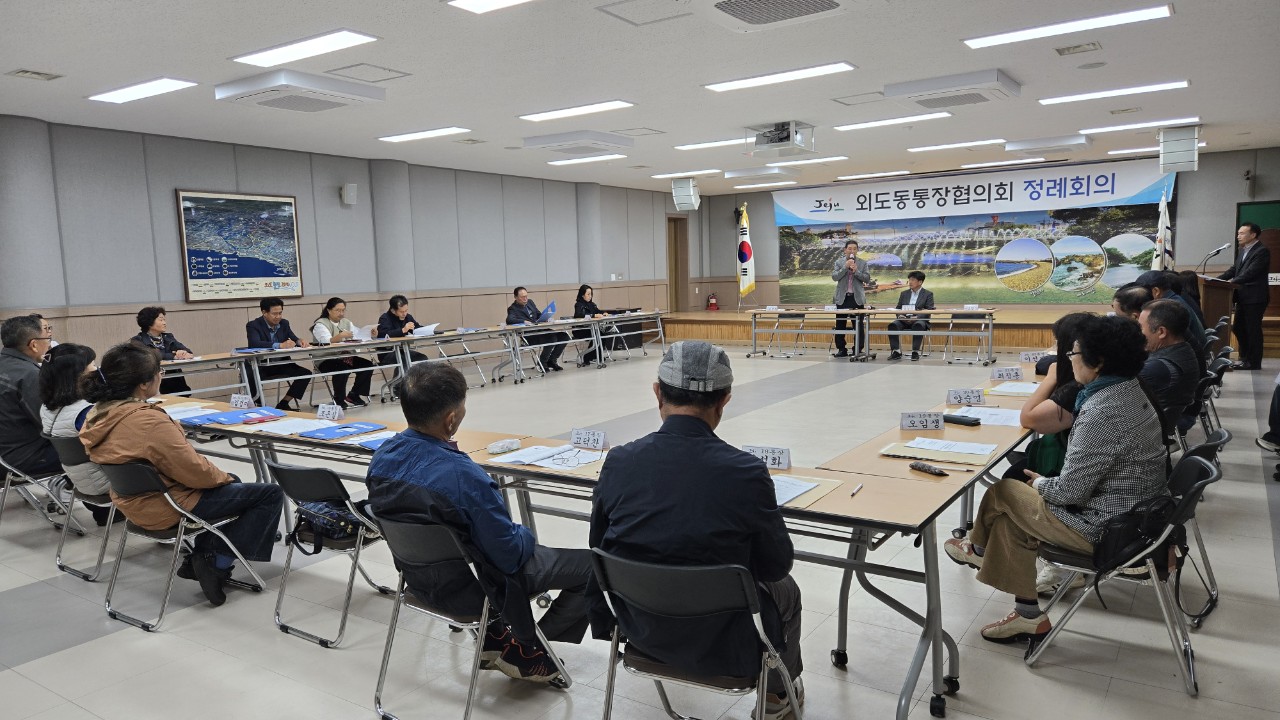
(1012, 521)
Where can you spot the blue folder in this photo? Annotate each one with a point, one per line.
(374, 444)
(250, 351)
(341, 431)
(548, 313)
(198, 420)
(235, 417)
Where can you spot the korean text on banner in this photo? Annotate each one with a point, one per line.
(746, 257)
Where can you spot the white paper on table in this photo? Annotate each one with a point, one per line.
(357, 439)
(193, 357)
(178, 413)
(363, 333)
(569, 459)
(293, 426)
(532, 454)
(426, 330)
(991, 415)
(968, 448)
(787, 488)
(1013, 387)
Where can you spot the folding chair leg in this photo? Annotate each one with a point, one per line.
(382, 589)
(1210, 582)
(386, 654)
(762, 687)
(1036, 649)
(258, 583)
(102, 550)
(612, 676)
(666, 704)
(168, 587)
(1176, 623)
(475, 662)
(564, 682)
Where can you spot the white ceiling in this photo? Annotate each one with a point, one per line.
(482, 71)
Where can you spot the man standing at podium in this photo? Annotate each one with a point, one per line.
(1253, 262)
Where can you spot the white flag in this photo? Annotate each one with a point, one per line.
(1163, 259)
(746, 256)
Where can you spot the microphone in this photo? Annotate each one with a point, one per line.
(1215, 251)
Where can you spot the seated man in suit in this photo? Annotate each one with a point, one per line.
(523, 310)
(421, 476)
(683, 496)
(914, 298)
(273, 331)
(21, 444)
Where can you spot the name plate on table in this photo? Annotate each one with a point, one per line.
(775, 458)
(330, 411)
(965, 396)
(770, 307)
(1032, 356)
(240, 401)
(909, 307)
(921, 421)
(588, 439)
(829, 308)
(972, 306)
(1006, 373)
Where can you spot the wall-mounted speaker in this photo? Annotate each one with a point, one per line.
(1180, 149)
(348, 194)
(684, 191)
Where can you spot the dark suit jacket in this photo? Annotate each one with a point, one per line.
(1251, 275)
(259, 333)
(923, 302)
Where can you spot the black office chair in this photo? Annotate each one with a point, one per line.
(71, 452)
(683, 592)
(421, 545)
(22, 483)
(1192, 475)
(306, 484)
(140, 478)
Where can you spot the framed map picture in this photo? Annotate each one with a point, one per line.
(239, 246)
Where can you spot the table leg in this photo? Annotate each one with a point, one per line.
(857, 551)
(931, 639)
(598, 338)
(257, 377)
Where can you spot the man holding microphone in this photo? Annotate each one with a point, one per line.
(849, 273)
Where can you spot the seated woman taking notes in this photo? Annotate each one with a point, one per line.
(333, 327)
(155, 334)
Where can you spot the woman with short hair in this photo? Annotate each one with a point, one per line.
(62, 412)
(333, 327)
(154, 333)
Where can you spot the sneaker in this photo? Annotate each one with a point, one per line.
(840, 353)
(356, 401)
(496, 639)
(961, 552)
(288, 403)
(895, 355)
(1014, 627)
(1266, 444)
(778, 707)
(1050, 578)
(915, 355)
(555, 367)
(526, 662)
(210, 577)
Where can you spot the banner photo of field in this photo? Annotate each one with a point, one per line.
(1077, 250)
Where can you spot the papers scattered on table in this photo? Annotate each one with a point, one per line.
(187, 412)
(293, 426)
(426, 330)
(968, 448)
(559, 457)
(195, 357)
(902, 450)
(341, 431)
(1014, 387)
(235, 417)
(991, 416)
(787, 488)
(372, 439)
(364, 333)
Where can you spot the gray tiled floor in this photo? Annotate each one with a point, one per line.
(62, 659)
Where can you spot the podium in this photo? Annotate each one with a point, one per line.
(1215, 302)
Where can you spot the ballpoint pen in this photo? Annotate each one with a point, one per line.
(855, 490)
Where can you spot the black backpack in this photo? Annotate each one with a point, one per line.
(1132, 531)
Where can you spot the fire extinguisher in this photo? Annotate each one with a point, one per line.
(712, 303)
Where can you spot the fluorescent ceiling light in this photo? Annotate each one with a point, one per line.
(339, 40)
(974, 143)
(760, 185)
(574, 111)
(145, 90)
(1139, 126)
(438, 132)
(593, 158)
(1116, 93)
(1134, 151)
(893, 121)
(810, 161)
(691, 173)
(1153, 13)
(716, 143)
(484, 6)
(1024, 161)
(867, 176)
(781, 77)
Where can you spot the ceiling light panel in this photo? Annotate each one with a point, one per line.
(893, 121)
(423, 135)
(781, 77)
(691, 173)
(868, 176)
(716, 143)
(1178, 85)
(480, 7)
(1152, 13)
(1139, 126)
(998, 163)
(952, 146)
(764, 185)
(575, 111)
(142, 90)
(810, 161)
(331, 42)
(579, 161)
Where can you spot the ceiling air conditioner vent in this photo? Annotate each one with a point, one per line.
(298, 92)
(754, 15)
(955, 90)
(579, 142)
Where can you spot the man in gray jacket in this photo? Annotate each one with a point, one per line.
(849, 273)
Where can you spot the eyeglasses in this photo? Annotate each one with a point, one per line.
(1072, 354)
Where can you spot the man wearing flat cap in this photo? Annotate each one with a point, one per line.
(682, 496)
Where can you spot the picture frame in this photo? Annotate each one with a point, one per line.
(238, 246)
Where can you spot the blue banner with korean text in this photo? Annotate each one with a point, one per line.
(1065, 234)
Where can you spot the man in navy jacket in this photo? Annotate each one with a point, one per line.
(1252, 294)
(272, 331)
